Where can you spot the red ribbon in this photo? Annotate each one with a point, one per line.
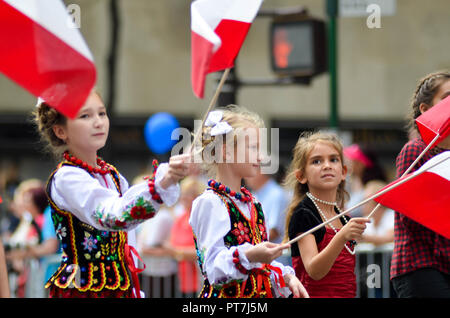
(278, 277)
(133, 269)
(278, 274)
(263, 277)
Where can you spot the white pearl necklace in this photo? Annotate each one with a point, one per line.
(334, 204)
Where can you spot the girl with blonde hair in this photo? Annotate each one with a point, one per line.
(234, 254)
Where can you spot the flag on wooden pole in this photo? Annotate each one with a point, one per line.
(433, 126)
(435, 121)
(218, 29)
(41, 50)
(426, 197)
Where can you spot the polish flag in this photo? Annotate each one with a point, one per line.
(218, 29)
(424, 195)
(435, 121)
(42, 50)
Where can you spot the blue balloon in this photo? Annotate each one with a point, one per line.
(158, 131)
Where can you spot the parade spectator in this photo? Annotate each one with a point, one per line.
(181, 244)
(274, 201)
(4, 284)
(363, 166)
(381, 230)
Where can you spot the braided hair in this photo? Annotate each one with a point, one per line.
(424, 93)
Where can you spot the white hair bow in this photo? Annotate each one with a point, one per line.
(39, 102)
(218, 127)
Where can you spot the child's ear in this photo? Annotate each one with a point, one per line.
(300, 177)
(60, 132)
(344, 172)
(423, 107)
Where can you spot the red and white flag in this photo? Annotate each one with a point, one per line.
(41, 50)
(435, 121)
(218, 29)
(425, 197)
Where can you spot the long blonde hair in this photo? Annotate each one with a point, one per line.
(302, 149)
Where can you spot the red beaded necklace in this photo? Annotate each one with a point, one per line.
(222, 188)
(103, 168)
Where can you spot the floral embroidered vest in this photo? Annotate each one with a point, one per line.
(258, 283)
(93, 260)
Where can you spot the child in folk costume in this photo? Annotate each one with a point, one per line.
(231, 238)
(420, 265)
(324, 261)
(94, 211)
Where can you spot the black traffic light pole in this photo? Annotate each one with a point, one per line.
(332, 11)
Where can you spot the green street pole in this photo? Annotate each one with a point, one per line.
(332, 12)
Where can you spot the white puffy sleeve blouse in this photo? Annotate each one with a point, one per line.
(96, 201)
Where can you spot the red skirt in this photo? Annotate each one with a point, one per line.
(340, 282)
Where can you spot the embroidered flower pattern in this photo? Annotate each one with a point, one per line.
(139, 210)
(241, 233)
(61, 231)
(240, 230)
(89, 242)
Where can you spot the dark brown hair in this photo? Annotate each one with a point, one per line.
(425, 91)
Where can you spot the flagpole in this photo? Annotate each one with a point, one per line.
(431, 144)
(211, 105)
(376, 195)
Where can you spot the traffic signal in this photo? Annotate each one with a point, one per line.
(298, 46)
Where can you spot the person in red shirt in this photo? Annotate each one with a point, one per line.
(420, 265)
